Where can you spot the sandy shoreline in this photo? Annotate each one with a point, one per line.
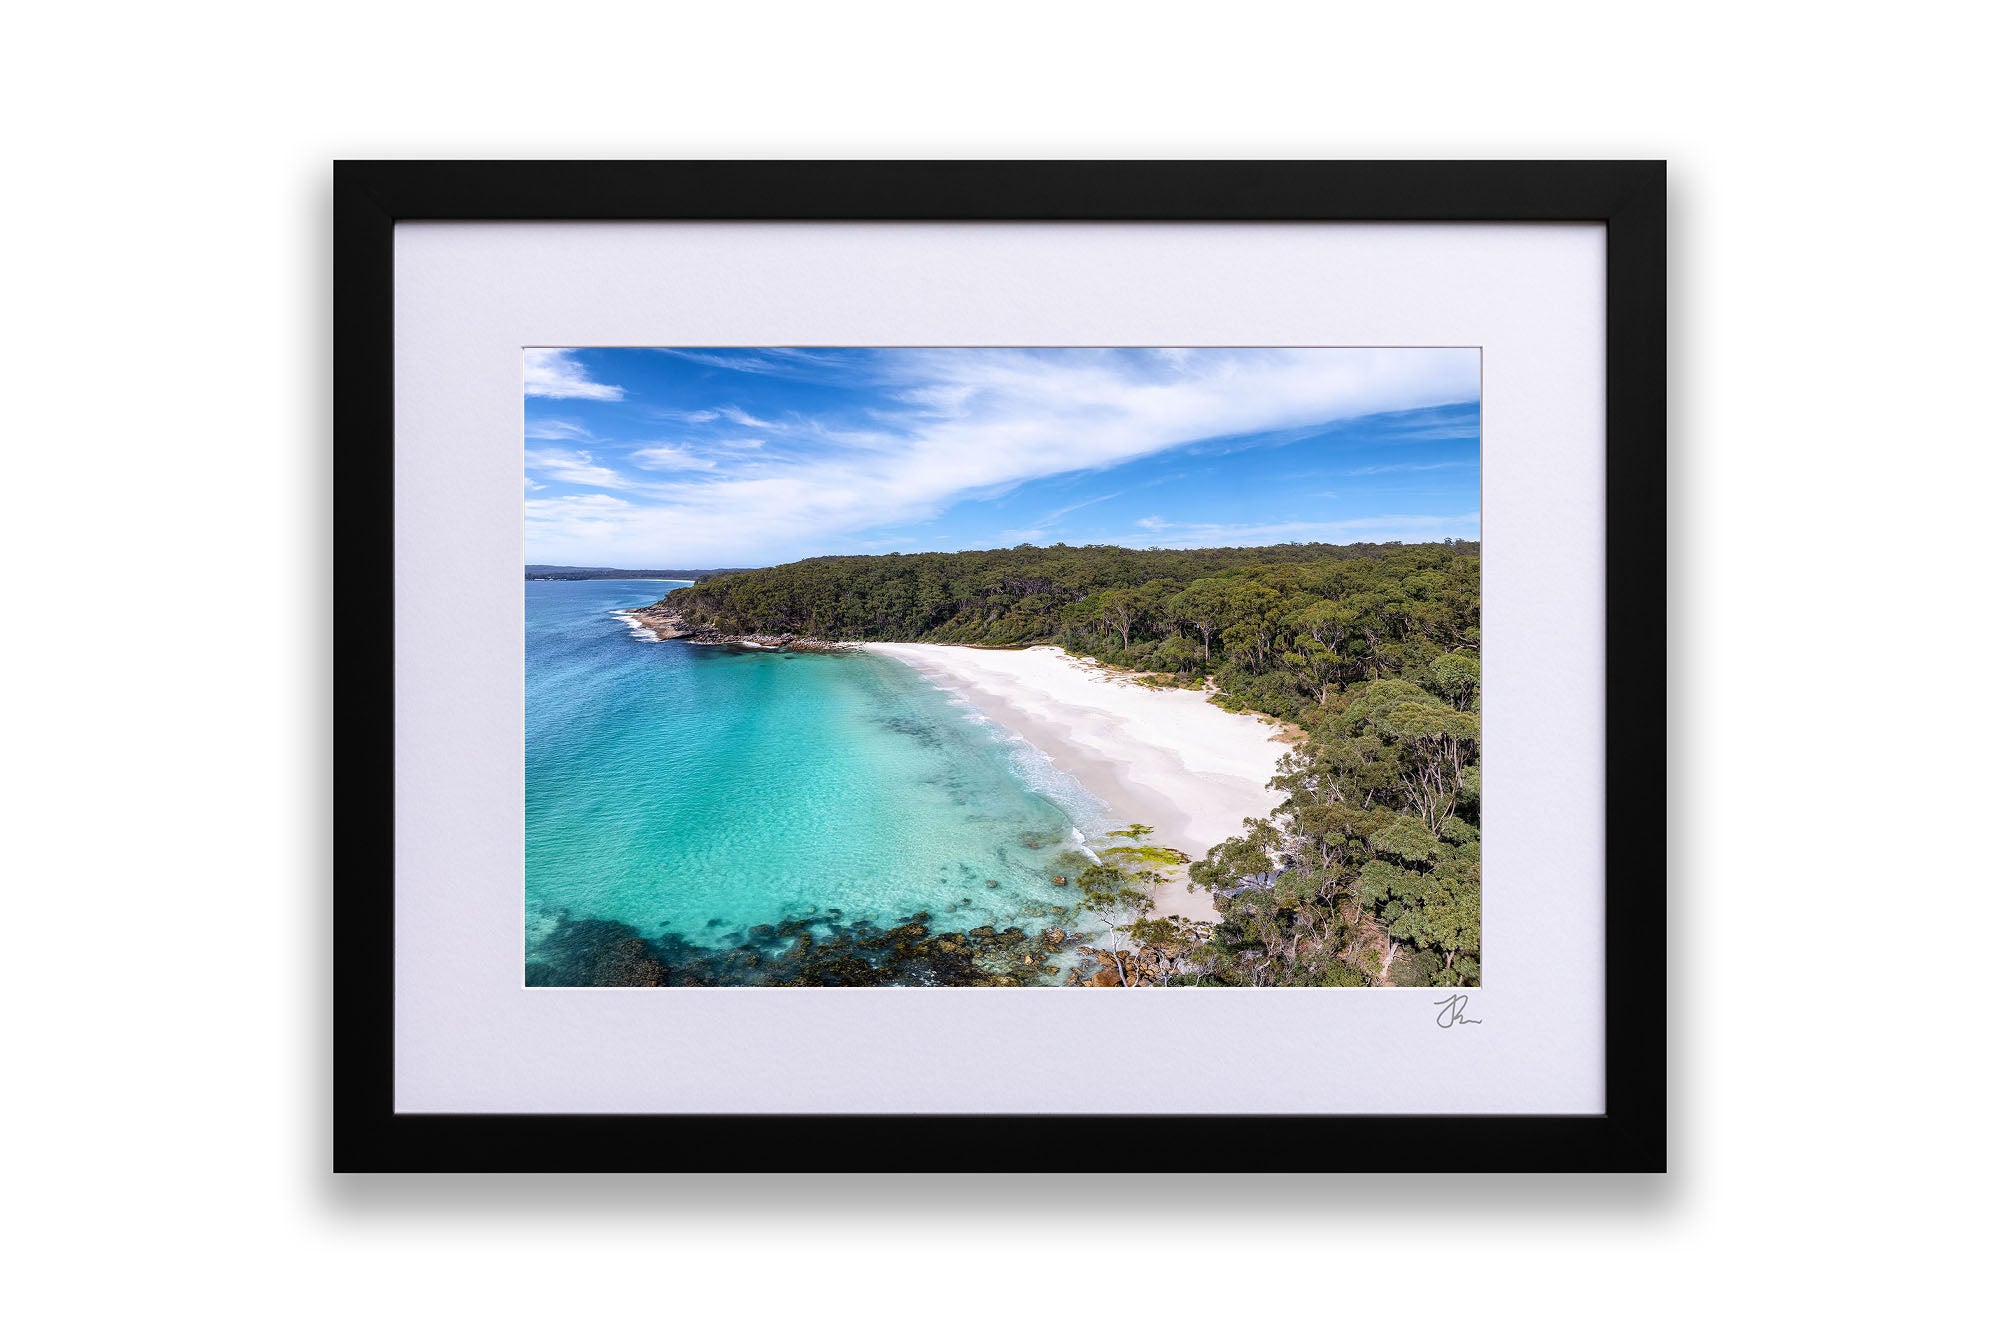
(1163, 757)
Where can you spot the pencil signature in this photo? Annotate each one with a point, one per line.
(1452, 1011)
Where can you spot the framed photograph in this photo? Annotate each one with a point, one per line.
(974, 654)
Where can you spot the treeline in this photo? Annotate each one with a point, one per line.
(1369, 872)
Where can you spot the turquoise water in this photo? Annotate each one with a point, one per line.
(701, 791)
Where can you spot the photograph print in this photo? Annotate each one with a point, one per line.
(983, 666)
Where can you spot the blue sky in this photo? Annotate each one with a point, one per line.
(686, 457)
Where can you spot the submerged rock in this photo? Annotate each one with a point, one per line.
(803, 951)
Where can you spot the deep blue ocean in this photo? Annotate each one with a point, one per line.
(699, 791)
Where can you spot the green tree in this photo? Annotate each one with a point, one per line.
(1121, 607)
(1202, 605)
(1457, 676)
(1115, 904)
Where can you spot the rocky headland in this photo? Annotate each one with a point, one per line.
(665, 624)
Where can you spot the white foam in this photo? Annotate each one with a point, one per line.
(1083, 845)
(639, 631)
(1032, 766)
(1039, 773)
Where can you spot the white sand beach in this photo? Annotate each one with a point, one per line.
(1164, 757)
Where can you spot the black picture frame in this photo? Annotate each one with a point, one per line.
(370, 198)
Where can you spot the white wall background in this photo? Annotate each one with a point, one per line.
(166, 542)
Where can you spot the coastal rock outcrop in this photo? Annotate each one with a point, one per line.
(1149, 966)
(664, 624)
(667, 624)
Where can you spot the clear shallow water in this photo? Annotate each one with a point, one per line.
(700, 791)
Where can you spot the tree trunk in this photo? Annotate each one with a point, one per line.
(1384, 974)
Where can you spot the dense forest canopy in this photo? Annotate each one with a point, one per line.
(1368, 873)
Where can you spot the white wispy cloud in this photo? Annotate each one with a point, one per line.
(748, 362)
(1067, 509)
(802, 363)
(594, 521)
(572, 466)
(601, 507)
(555, 372)
(961, 422)
(669, 458)
(556, 428)
(1420, 426)
(1380, 468)
(1046, 525)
